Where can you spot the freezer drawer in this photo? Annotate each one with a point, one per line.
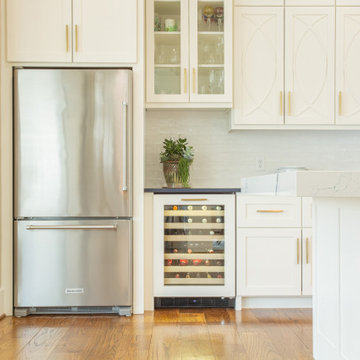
(72, 263)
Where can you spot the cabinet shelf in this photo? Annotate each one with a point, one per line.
(194, 256)
(167, 65)
(194, 238)
(194, 281)
(211, 33)
(166, 33)
(211, 65)
(194, 212)
(185, 225)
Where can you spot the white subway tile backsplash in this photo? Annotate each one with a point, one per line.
(222, 158)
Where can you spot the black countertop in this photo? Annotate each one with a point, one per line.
(192, 190)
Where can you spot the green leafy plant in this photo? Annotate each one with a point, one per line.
(178, 150)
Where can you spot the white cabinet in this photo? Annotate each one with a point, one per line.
(348, 2)
(307, 261)
(284, 84)
(189, 62)
(258, 2)
(347, 63)
(258, 65)
(310, 2)
(194, 245)
(39, 30)
(274, 246)
(66, 31)
(309, 69)
(105, 31)
(269, 261)
(269, 211)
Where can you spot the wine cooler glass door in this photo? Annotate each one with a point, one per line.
(196, 242)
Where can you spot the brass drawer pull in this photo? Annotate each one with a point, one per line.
(298, 251)
(270, 211)
(307, 250)
(193, 199)
(340, 103)
(67, 37)
(76, 38)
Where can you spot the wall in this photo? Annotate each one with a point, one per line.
(223, 157)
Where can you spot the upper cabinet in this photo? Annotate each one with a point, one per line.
(189, 52)
(259, 64)
(284, 71)
(39, 30)
(348, 2)
(285, 68)
(66, 31)
(105, 31)
(310, 2)
(348, 69)
(309, 65)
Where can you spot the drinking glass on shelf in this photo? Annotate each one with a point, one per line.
(160, 54)
(173, 59)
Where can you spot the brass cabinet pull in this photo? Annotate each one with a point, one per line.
(270, 211)
(307, 250)
(67, 37)
(340, 103)
(281, 103)
(185, 81)
(76, 38)
(298, 251)
(193, 199)
(289, 103)
(194, 80)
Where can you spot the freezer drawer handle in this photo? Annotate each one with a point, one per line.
(71, 227)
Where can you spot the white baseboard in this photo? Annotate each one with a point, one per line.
(284, 302)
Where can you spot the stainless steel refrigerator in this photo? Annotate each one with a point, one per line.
(72, 190)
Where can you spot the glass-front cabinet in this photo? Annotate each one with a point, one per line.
(194, 245)
(189, 51)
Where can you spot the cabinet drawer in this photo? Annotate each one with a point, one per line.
(262, 211)
(306, 211)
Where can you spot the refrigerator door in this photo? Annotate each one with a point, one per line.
(72, 263)
(73, 142)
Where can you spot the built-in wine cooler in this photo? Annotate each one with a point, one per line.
(194, 245)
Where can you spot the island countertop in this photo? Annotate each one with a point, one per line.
(193, 190)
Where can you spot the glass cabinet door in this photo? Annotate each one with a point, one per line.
(210, 50)
(194, 245)
(167, 51)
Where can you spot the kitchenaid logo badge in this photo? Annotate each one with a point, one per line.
(74, 291)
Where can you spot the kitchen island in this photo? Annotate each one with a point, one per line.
(336, 253)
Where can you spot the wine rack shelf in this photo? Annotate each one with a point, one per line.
(194, 256)
(194, 237)
(193, 281)
(196, 269)
(194, 212)
(185, 225)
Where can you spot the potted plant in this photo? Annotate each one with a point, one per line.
(176, 158)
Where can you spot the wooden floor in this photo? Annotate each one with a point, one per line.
(163, 334)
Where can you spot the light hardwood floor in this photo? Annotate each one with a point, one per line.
(164, 334)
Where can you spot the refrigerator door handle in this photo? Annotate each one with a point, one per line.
(125, 106)
(71, 227)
